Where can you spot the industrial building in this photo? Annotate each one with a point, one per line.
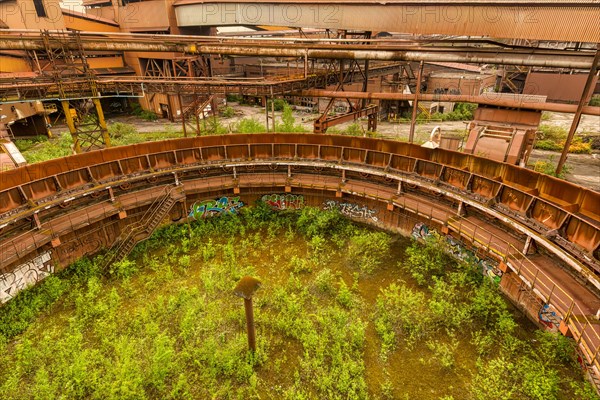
(344, 60)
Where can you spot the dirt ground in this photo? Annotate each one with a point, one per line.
(584, 169)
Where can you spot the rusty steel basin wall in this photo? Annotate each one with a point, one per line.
(45, 205)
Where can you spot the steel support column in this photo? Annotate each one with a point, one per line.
(411, 134)
(71, 125)
(577, 116)
(102, 122)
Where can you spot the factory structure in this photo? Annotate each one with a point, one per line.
(180, 60)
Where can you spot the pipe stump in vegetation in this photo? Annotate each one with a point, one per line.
(245, 289)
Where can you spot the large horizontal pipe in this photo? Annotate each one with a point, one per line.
(10, 43)
(312, 50)
(491, 99)
(504, 58)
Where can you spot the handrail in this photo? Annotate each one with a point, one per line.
(43, 203)
(588, 339)
(545, 288)
(133, 229)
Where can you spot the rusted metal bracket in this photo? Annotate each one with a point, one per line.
(321, 125)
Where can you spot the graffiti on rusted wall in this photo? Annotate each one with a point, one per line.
(24, 276)
(80, 246)
(548, 316)
(351, 210)
(284, 201)
(215, 207)
(456, 249)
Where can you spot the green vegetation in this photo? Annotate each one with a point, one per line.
(212, 126)
(548, 167)
(121, 135)
(118, 130)
(278, 104)
(288, 122)
(227, 112)
(136, 109)
(354, 129)
(553, 138)
(139, 137)
(595, 101)
(339, 316)
(27, 144)
(461, 112)
(234, 98)
(250, 125)
(38, 150)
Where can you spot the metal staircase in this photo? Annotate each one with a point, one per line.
(142, 229)
(196, 109)
(424, 110)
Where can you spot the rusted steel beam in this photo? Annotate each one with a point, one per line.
(451, 55)
(413, 119)
(321, 126)
(577, 117)
(493, 99)
(44, 88)
(10, 43)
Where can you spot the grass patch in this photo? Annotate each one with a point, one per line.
(338, 317)
(553, 138)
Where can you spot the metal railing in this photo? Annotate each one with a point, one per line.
(579, 324)
(132, 230)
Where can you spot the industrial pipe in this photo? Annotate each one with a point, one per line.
(311, 49)
(489, 99)
(531, 60)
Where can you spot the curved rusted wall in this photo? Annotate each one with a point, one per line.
(53, 213)
(56, 204)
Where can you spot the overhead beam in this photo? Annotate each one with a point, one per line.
(509, 19)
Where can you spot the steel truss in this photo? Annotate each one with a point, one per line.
(346, 75)
(66, 72)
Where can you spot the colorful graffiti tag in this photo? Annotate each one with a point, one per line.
(487, 267)
(420, 231)
(24, 276)
(284, 201)
(215, 207)
(548, 316)
(351, 210)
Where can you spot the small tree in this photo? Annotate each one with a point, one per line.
(288, 122)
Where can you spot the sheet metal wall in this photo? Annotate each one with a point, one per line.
(551, 204)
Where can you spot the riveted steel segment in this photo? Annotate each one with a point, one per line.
(519, 193)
